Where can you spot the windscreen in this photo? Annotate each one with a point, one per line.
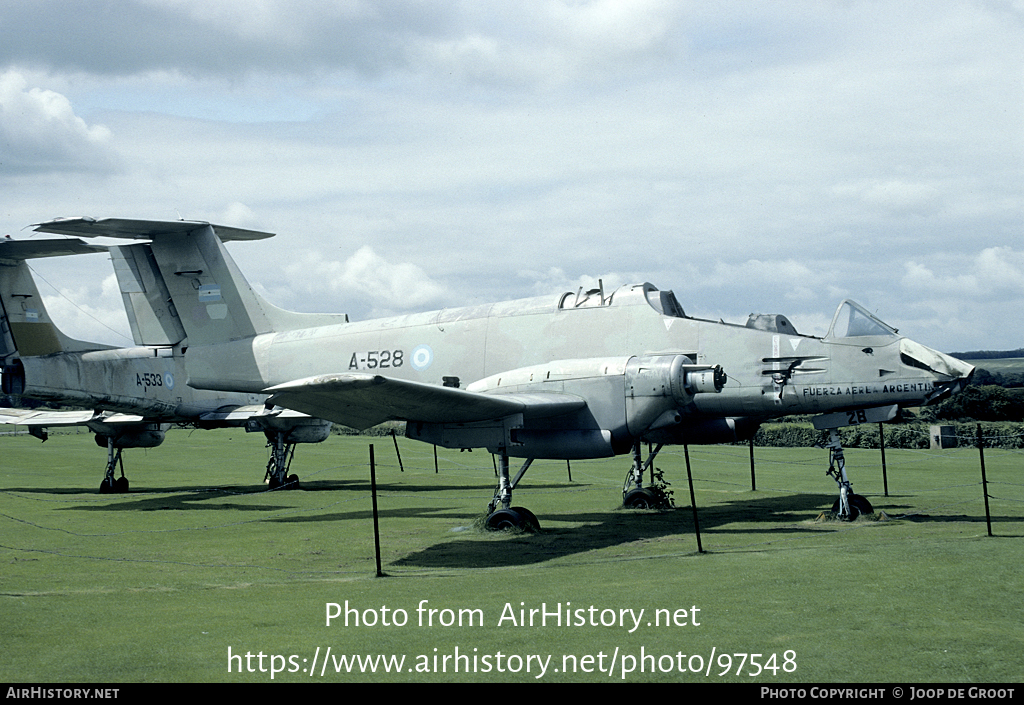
(851, 321)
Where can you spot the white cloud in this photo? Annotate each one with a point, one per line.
(994, 272)
(39, 132)
(894, 195)
(365, 280)
(86, 314)
(238, 215)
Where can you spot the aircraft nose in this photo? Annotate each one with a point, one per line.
(951, 374)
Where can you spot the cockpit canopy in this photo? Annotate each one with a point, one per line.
(853, 321)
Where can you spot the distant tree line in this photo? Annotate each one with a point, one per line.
(983, 377)
(988, 354)
(988, 402)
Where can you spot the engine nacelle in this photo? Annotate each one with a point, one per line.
(658, 387)
(295, 430)
(625, 397)
(148, 436)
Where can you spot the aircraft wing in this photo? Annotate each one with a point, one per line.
(38, 420)
(32, 417)
(364, 400)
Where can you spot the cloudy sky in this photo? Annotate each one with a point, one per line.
(418, 154)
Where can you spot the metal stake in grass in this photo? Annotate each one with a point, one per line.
(376, 526)
(984, 480)
(395, 439)
(753, 479)
(881, 444)
(693, 500)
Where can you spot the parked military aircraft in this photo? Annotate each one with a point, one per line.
(136, 393)
(579, 375)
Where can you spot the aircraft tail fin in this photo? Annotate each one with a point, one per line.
(213, 299)
(25, 325)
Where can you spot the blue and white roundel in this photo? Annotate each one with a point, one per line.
(168, 380)
(421, 357)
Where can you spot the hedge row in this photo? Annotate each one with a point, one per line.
(906, 435)
(796, 434)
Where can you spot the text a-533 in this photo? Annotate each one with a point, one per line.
(376, 360)
(149, 379)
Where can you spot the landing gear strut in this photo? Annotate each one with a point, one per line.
(109, 485)
(634, 494)
(849, 505)
(281, 454)
(500, 512)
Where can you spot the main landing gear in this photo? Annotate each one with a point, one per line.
(500, 512)
(849, 505)
(281, 454)
(110, 485)
(634, 494)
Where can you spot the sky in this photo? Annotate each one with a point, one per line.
(419, 154)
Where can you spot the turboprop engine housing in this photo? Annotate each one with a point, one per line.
(658, 387)
(147, 436)
(624, 398)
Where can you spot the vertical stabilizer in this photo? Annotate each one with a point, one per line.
(213, 298)
(25, 323)
(214, 302)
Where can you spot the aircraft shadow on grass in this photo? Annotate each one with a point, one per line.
(620, 527)
(614, 528)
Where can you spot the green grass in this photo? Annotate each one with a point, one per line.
(158, 584)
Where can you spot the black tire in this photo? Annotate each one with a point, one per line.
(858, 505)
(504, 519)
(640, 498)
(530, 522)
(291, 482)
(121, 485)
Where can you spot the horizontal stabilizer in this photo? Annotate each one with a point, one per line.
(364, 400)
(142, 229)
(18, 250)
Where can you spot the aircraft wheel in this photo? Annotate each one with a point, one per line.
(121, 485)
(530, 522)
(290, 483)
(503, 519)
(107, 486)
(640, 498)
(858, 505)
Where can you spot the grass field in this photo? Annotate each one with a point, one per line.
(158, 585)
